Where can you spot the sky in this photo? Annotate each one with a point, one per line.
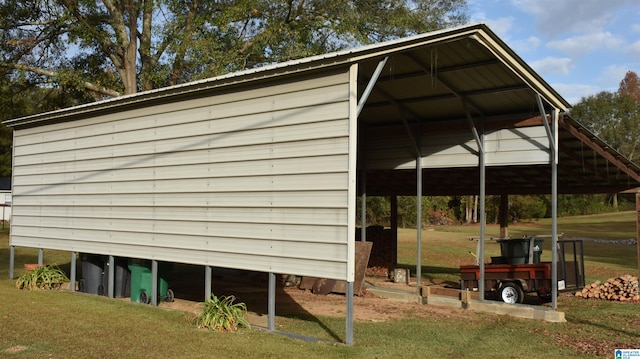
(579, 47)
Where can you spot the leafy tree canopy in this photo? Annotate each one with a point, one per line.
(106, 48)
(614, 116)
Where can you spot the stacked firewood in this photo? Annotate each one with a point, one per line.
(623, 289)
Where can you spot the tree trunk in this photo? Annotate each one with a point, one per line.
(470, 215)
(502, 215)
(475, 209)
(124, 53)
(147, 62)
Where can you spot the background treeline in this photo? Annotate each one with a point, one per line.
(449, 210)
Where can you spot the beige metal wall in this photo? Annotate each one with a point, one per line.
(254, 178)
(505, 147)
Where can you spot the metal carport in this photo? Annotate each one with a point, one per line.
(449, 112)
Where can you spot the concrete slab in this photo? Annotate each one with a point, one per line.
(469, 301)
(518, 310)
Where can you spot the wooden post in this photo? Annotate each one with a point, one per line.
(504, 215)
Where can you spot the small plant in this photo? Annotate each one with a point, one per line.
(42, 277)
(222, 314)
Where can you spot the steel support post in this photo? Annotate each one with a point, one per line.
(207, 282)
(72, 273)
(419, 216)
(271, 310)
(554, 210)
(349, 316)
(154, 282)
(479, 137)
(40, 257)
(12, 256)
(482, 214)
(111, 277)
(552, 134)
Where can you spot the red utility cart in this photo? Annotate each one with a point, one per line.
(519, 270)
(511, 281)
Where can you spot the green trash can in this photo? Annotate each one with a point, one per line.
(142, 281)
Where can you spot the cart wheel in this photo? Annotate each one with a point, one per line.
(170, 296)
(511, 293)
(144, 298)
(81, 286)
(100, 289)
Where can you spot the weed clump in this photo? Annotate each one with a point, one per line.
(222, 314)
(42, 278)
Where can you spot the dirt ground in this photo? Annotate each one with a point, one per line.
(292, 301)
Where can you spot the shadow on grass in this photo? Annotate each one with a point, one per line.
(609, 328)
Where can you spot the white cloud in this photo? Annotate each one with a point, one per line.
(553, 66)
(633, 49)
(573, 93)
(635, 28)
(526, 45)
(608, 80)
(580, 45)
(556, 17)
(501, 26)
(611, 76)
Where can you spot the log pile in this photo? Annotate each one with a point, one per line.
(623, 289)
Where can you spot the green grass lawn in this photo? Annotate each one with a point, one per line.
(38, 324)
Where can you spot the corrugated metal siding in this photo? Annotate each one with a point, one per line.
(517, 146)
(254, 179)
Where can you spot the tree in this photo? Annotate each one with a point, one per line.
(630, 86)
(105, 48)
(614, 116)
(527, 207)
(378, 210)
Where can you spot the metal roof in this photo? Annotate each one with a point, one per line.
(443, 84)
(440, 80)
(586, 164)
